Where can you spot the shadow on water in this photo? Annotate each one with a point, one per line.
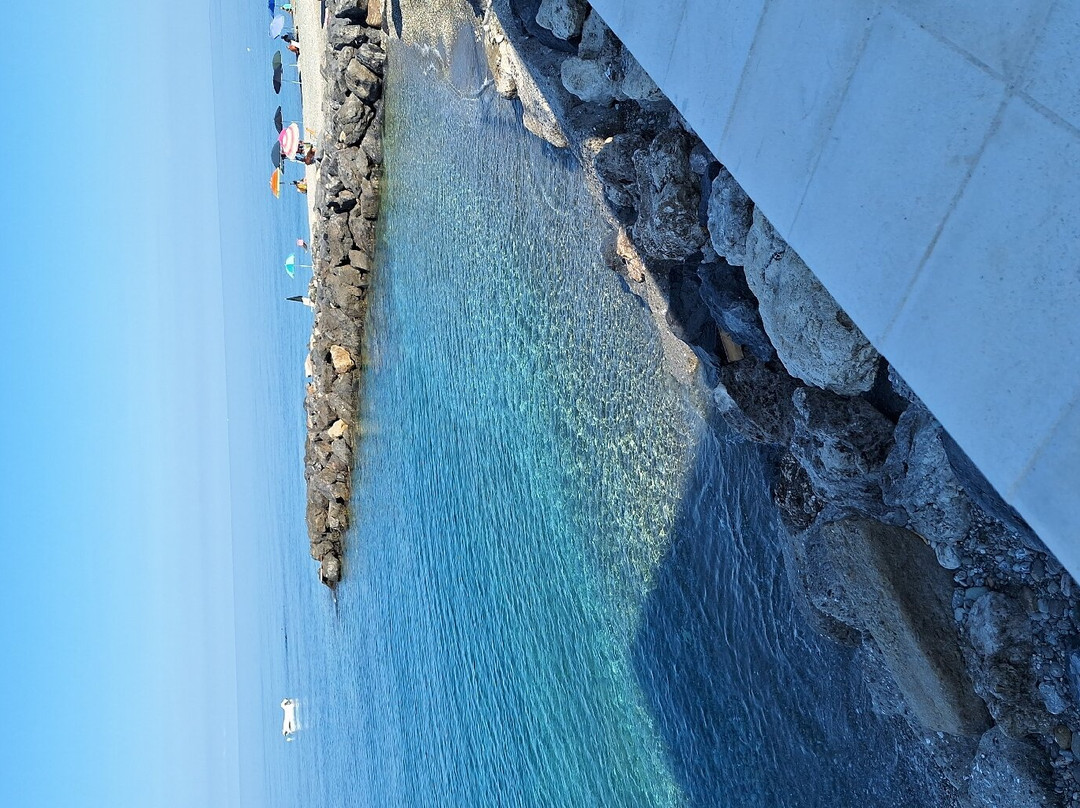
(753, 707)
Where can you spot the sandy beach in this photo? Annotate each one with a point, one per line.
(308, 16)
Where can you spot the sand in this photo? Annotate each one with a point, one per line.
(308, 16)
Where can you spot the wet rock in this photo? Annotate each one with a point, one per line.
(761, 408)
(917, 477)
(1009, 772)
(842, 443)
(897, 594)
(731, 213)
(795, 496)
(667, 227)
(813, 337)
(564, 18)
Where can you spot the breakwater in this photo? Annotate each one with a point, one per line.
(343, 257)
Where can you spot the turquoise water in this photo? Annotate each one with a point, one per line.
(564, 586)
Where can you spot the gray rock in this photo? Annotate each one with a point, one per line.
(734, 308)
(597, 41)
(614, 164)
(667, 227)
(761, 409)
(350, 121)
(1011, 773)
(918, 478)
(795, 496)
(339, 238)
(362, 81)
(1052, 698)
(564, 18)
(895, 592)
(635, 84)
(1000, 636)
(588, 80)
(731, 213)
(842, 443)
(815, 340)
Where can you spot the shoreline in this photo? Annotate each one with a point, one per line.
(966, 625)
(897, 547)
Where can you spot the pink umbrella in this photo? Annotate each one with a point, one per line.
(289, 140)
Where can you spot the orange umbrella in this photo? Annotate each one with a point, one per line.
(275, 182)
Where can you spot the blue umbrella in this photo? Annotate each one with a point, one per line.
(271, 6)
(276, 25)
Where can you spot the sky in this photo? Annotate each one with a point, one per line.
(116, 596)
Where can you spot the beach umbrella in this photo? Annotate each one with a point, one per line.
(289, 140)
(275, 155)
(270, 4)
(275, 182)
(291, 265)
(276, 26)
(277, 120)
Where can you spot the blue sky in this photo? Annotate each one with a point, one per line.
(116, 599)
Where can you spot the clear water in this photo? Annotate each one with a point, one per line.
(564, 585)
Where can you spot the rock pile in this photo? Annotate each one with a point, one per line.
(343, 251)
(896, 544)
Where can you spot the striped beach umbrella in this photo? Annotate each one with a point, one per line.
(289, 140)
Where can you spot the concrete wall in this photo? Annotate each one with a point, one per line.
(924, 160)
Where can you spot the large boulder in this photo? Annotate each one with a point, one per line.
(917, 477)
(1000, 635)
(893, 590)
(842, 443)
(731, 213)
(814, 338)
(1009, 772)
(589, 80)
(563, 18)
(667, 227)
(756, 400)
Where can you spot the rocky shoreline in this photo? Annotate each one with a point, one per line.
(965, 624)
(343, 252)
(895, 545)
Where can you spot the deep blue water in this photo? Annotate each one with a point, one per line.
(564, 585)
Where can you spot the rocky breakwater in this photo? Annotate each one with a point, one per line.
(343, 253)
(894, 543)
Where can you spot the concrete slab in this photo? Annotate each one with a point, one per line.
(999, 33)
(990, 335)
(713, 43)
(1047, 493)
(802, 60)
(892, 167)
(1053, 74)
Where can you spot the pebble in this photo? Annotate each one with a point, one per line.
(975, 592)
(1063, 736)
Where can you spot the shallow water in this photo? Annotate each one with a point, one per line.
(564, 585)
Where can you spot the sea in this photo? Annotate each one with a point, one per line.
(564, 585)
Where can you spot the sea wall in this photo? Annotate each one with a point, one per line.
(343, 257)
(895, 544)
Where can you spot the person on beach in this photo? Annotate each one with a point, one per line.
(300, 185)
(293, 50)
(303, 245)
